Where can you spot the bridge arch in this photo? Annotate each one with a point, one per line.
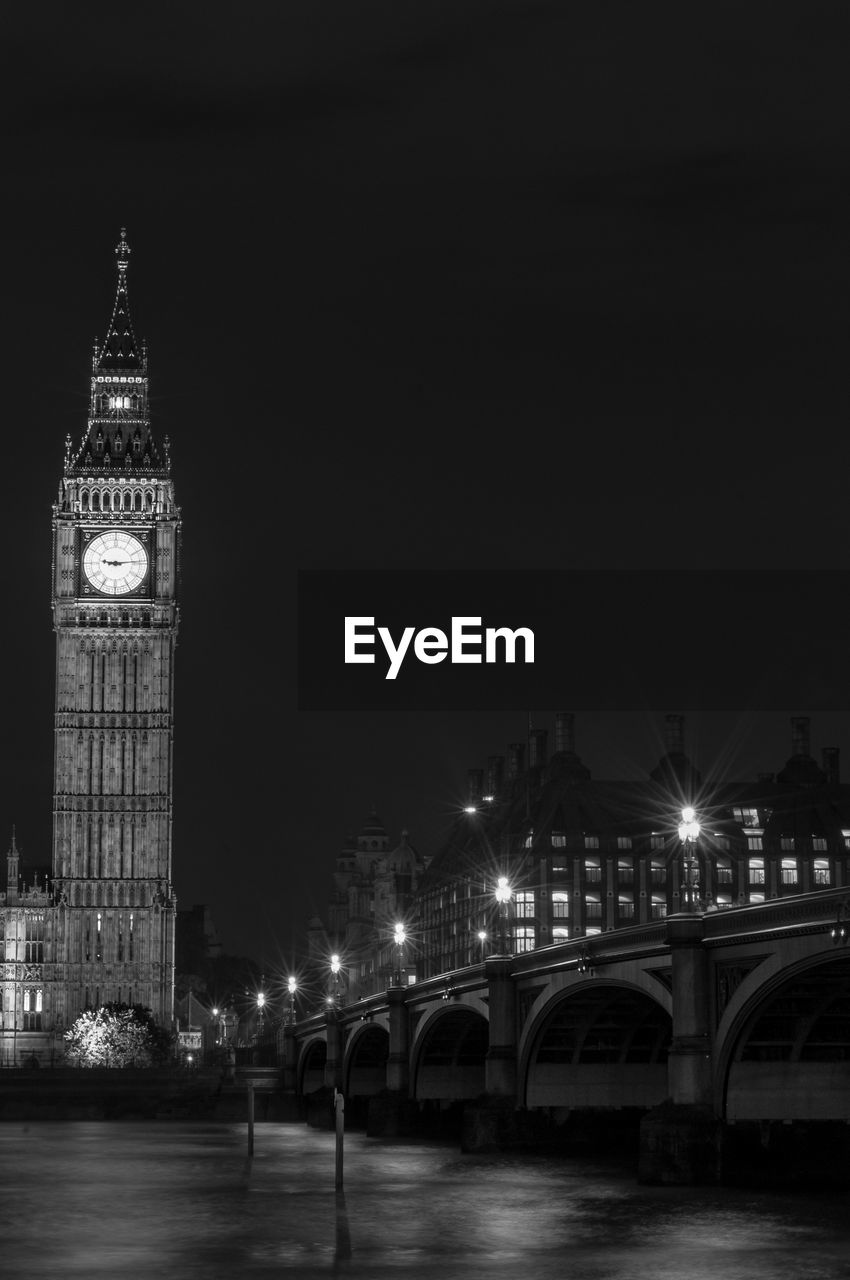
(597, 1043)
(448, 1053)
(785, 1054)
(364, 1070)
(311, 1064)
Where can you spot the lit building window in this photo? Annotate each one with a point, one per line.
(658, 873)
(754, 842)
(560, 906)
(821, 872)
(756, 870)
(529, 839)
(559, 841)
(657, 908)
(34, 939)
(819, 844)
(724, 873)
(523, 938)
(722, 842)
(789, 871)
(756, 897)
(656, 842)
(747, 817)
(624, 842)
(626, 909)
(593, 908)
(524, 905)
(32, 1004)
(591, 842)
(560, 933)
(592, 871)
(625, 872)
(787, 844)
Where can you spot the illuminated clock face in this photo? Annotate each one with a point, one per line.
(115, 562)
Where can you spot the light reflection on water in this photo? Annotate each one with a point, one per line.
(161, 1200)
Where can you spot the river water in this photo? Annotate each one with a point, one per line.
(128, 1200)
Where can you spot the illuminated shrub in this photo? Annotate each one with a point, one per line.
(117, 1035)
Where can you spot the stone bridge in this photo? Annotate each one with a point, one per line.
(724, 1018)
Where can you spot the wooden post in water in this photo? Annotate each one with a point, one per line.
(250, 1117)
(339, 1111)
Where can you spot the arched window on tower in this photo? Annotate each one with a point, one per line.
(95, 501)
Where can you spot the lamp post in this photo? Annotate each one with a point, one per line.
(689, 830)
(399, 943)
(261, 1004)
(293, 987)
(503, 897)
(333, 998)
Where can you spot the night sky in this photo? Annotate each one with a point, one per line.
(514, 284)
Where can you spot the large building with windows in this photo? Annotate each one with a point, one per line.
(100, 926)
(583, 856)
(374, 889)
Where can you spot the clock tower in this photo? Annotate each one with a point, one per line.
(116, 538)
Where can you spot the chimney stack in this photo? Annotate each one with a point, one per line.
(799, 735)
(829, 758)
(565, 732)
(675, 735)
(495, 774)
(516, 755)
(537, 748)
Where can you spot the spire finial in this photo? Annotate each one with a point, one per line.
(122, 252)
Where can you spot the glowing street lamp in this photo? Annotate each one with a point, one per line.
(399, 937)
(504, 893)
(689, 830)
(293, 987)
(482, 938)
(261, 1004)
(333, 998)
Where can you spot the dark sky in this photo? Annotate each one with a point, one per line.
(502, 284)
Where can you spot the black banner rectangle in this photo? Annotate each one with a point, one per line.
(604, 640)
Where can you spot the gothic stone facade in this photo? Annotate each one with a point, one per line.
(107, 913)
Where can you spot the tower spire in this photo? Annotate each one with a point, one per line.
(119, 349)
(119, 432)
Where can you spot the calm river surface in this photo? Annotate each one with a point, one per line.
(128, 1200)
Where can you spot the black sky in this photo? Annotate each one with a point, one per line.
(425, 285)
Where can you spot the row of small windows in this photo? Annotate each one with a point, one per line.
(103, 619)
(110, 403)
(116, 499)
(33, 941)
(558, 840)
(32, 1003)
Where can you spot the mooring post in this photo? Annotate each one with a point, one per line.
(339, 1110)
(250, 1117)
